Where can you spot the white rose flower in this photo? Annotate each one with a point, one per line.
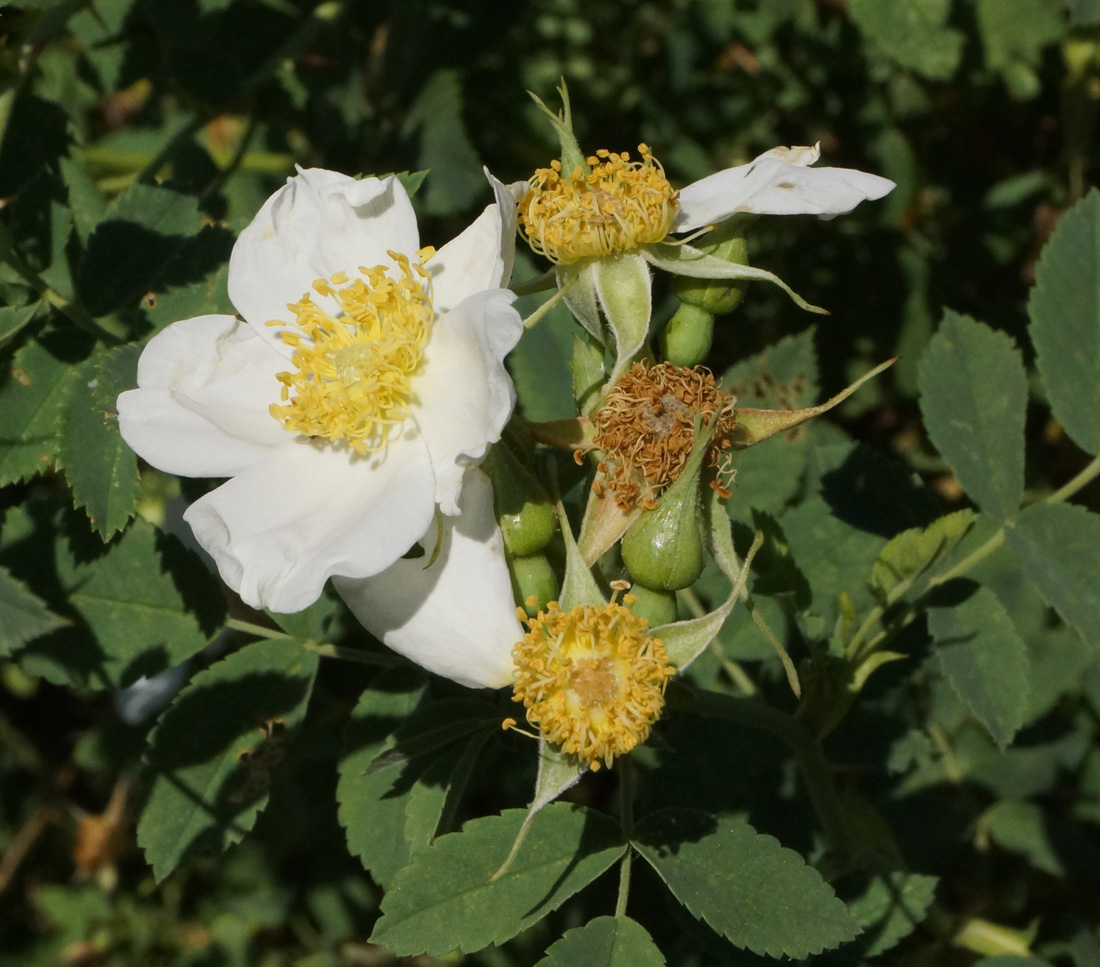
(364, 381)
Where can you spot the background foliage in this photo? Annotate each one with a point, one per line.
(138, 136)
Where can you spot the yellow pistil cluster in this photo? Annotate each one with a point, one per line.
(619, 205)
(645, 430)
(592, 679)
(354, 370)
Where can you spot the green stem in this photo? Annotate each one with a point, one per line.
(972, 560)
(260, 631)
(1085, 477)
(373, 658)
(540, 283)
(626, 818)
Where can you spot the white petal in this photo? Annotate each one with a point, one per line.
(481, 257)
(318, 224)
(464, 394)
(776, 183)
(307, 512)
(201, 406)
(456, 618)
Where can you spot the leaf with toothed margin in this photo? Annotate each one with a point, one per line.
(759, 895)
(605, 942)
(446, 898)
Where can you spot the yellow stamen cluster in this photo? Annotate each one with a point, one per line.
(354, 374)
(646, 430)
(592, 679)
(618, 206)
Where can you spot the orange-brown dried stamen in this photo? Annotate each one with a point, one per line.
(645, 430)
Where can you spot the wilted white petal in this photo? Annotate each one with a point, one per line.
(455, 617)
(308, 511)
(775, 184)
(316, 225)
(201, 406)
(465, 394)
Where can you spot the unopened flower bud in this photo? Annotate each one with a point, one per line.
(534, 582)
(657, 607)
(524, 511)
(687, 338)
(716, 296)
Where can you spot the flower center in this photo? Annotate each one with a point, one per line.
(618, 206)
(592, 679)
(646, 430)
(354, 370)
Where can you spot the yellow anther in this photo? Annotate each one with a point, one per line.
(618, 206)
(592, 679)
(354, 369)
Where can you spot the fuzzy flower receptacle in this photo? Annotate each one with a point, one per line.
(348, 407)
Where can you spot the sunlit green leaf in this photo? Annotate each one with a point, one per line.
(1059, 549)
(32, 396)
(398, 768)
(100, 467)
(605, 942)
(973, 398)
(446, 899)
(915, 550)
(984, 659)
(753, 891)
(145, 603)
(1065, 321)
(913, 34)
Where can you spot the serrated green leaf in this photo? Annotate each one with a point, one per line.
(31, 398)
(1022, 828)
(375, 824)
(148, 602)
(143, 232)
(974, 399)
(1065, 321)
(394, 786)
(310, 624)
(753, 891)
(605, 942)
(445, 147)
(1018, 30)
(912, 34)
(41, 225)
(1059, 549)
(984, 659)
(23, 615)
(781, 377)
(203, 794)
(892, 908)
(86, 201)
(445, 899)
(915, 550)
(100, 467)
